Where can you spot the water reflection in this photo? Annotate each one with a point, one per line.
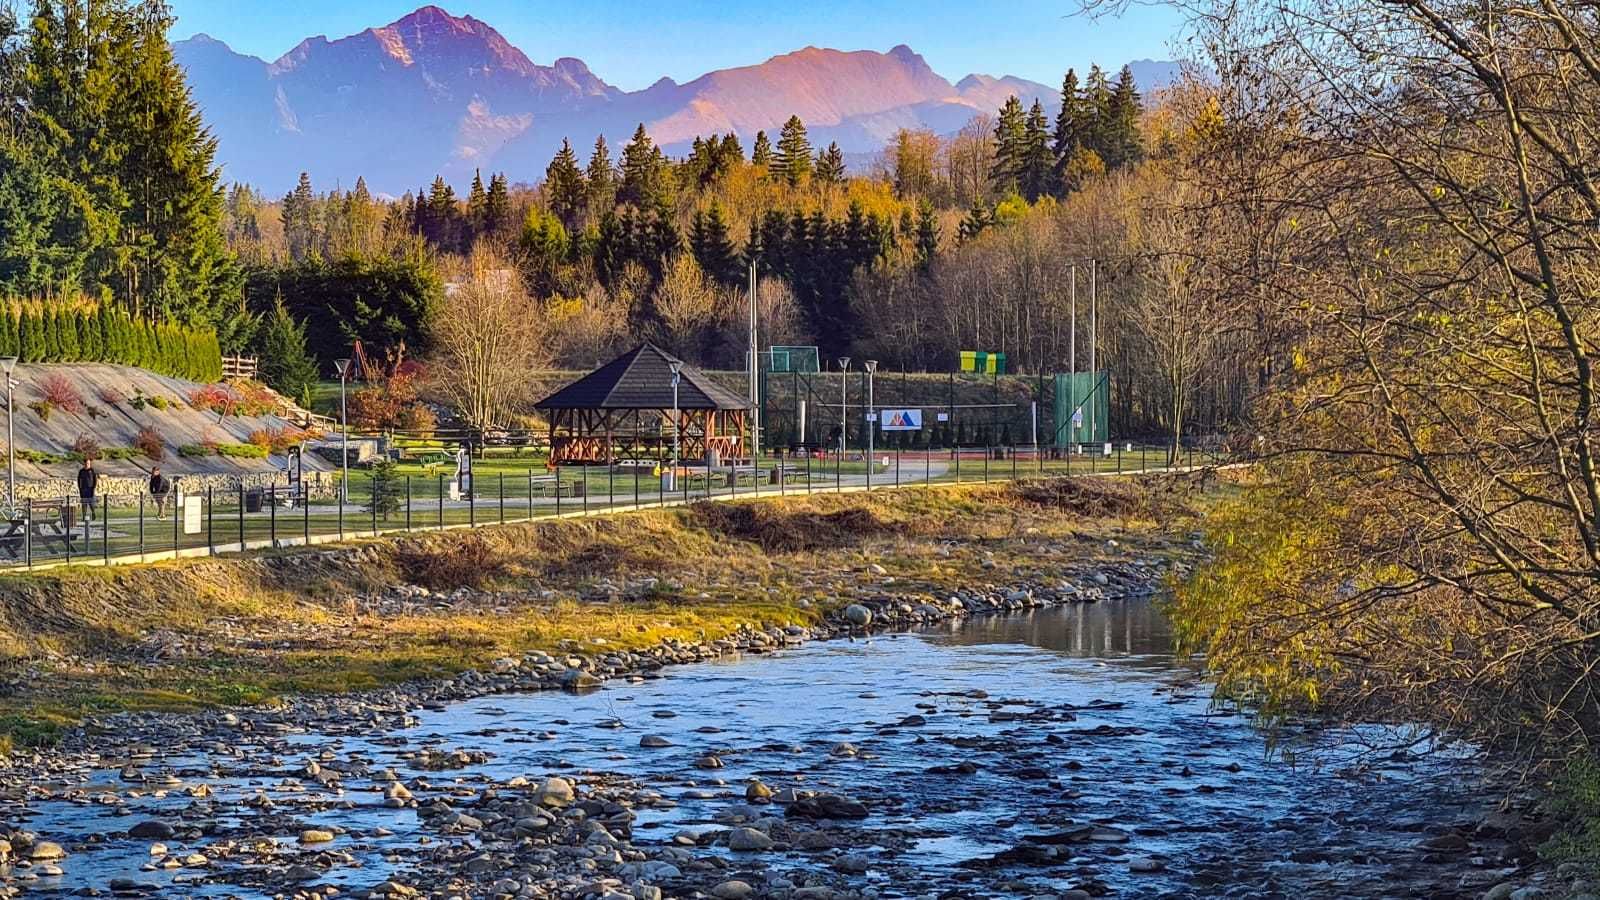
(1085, 630)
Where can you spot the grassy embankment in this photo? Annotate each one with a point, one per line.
(76, 642)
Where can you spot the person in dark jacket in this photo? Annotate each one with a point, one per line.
(88, 480)
(160, 487)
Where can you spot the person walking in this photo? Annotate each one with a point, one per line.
(88, 480)
(160, 487)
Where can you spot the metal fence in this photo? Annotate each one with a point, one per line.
(127, 529)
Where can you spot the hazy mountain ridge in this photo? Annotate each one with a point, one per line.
(432, 93)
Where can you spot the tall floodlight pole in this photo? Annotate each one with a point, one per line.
(872, 419)
(676, 367)
(844, 421)
(755, 369)
(1094, 336)
(1072, 358)
(343, 367)
(9, 364)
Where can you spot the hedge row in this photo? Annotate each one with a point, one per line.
(48, 333)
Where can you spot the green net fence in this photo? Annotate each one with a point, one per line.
(1082, 409)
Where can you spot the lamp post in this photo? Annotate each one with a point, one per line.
(872, 419)
(844, 421)
(343, 365)
(9, 364)
(676, 366)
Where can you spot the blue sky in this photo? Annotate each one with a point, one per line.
(631, 43)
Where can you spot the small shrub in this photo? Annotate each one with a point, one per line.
(254, 398)
(159, 402)
(419, 419)
(261, 437)
(196, 451)
(242, 451)
(215, 398)
(40, 457)
(59, 391)
(469, 562)
(138, 401)
(86, 447)
(150, 443)
(43, 408)
(111, 396)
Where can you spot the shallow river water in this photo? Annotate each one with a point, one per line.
(972, 745)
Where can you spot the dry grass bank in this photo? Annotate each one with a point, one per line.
(247, 629)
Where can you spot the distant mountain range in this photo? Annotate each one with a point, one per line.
(436, 94)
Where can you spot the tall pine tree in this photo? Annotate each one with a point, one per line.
(761, 151)
(830, 164)
(1037, 162)
(793, 160)
(564, 189)
(1010, 148)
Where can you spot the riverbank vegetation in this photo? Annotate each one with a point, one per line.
(241, 630)
(1406, 191)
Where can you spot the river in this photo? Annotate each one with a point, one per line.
(1061, 753)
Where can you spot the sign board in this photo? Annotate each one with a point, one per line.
(872, 417)
(192, 514)
(942, 417)
(902, 419)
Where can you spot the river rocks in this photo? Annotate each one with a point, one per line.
(315, 836)
(757, 792)
(827, 806)
(858, 615)
(709, 761)
(748, 839)
(555, 791)
(654, 741)
(44, 851)
(733, 890)
(852, 864)
(152, 829)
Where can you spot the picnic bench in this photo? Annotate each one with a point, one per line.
(48, 526)
(545, 483)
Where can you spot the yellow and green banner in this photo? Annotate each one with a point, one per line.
(983, 362)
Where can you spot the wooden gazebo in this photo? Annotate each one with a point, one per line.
(623, 411)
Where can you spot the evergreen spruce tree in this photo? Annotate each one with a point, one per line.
(564, 188)
(498, 209)
(1010, 148)
(1123, 145)
(641, 171)
(51, 333)
(830, 165)
(1065, 141)
(1095, 109)
(477, 206)
(444, 216)
(761, 151)
(978, 218)
(286, 364)
(712, 248)
(298, 212)
(793, 159)
(600, 178)
(1037, 162)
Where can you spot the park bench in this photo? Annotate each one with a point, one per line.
(50, 526)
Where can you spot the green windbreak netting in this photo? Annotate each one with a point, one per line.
(1082, 409)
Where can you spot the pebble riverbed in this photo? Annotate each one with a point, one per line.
(1019, 745)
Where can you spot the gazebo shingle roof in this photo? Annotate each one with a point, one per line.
(642, 379)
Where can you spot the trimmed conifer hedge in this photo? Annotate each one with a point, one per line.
(37, 332)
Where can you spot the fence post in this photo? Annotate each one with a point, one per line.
(583, 479)
(958, 463)
(502, 497)
(305, 510)
(440, 496)
(27, 532)
(611, 483)
(558, 491)
(141, 528)
(211, 524)
(241, 513)
(408, 503)
(340, 500)
(708, 467)
(636, 486)
(530, 495)
(105, 529)
(372, 501)
(1013, 462)
(472, 503)
(272, 501)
